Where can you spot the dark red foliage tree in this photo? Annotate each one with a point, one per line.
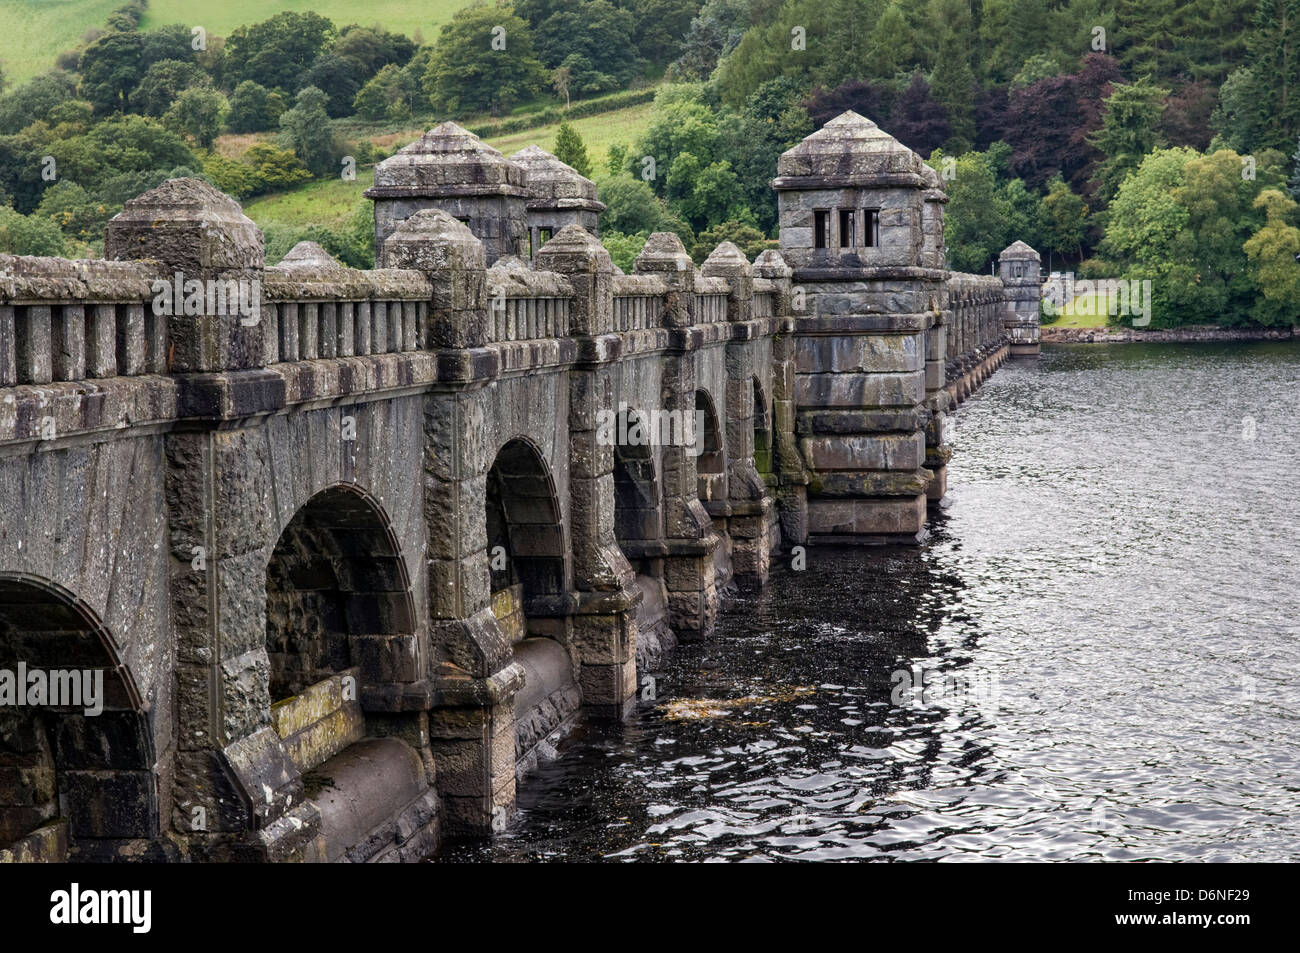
(1186, 119)
(1048, 123)
(864, 98)
(917, 120)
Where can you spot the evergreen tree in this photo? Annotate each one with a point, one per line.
(953, 87)
(1129, 130)
(1274, 57)
(571, 150)
(1293, 184)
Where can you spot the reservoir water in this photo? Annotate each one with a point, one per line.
(1093, 656)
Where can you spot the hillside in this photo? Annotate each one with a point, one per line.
(332, 202)
(33, 32)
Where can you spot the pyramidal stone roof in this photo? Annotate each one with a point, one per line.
(1019, 249)
(448, 160)
(555, 184)
(851, 150)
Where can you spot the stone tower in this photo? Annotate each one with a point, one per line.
(861, 219)
(450, 168)
(1019, 267)
(560, 196)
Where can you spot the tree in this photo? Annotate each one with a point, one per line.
(1274, 57)
(339, 78)
(1129, 131)
(678, 125)
(892, 46)
(484, 60)
(74, 211)
(389, 94)
(623, 249)
(570, 149)
(1221, 216)
(199, 114)
(659, 26)
(712, 34)
(277, 51)
(1053, 120)
(29, 235)
(1186, 118)
(171, 42)
(773, 120)
(1272, 252)
(561, 77)
(631, 208)
(33, 100)
(705, 194)
(1065, 219)
(110, 68)
(953, 86)
(862, 97)
(746, 237)
(307, 128)
(1240, 118)
(1293, 184)
(616, 157)
(162, 83)
(596, 31)
(373, 48)
(916, 120)
(974, 226)
(250, 108)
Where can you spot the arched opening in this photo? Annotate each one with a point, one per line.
(638, 520)
(526, 550)
(525, 536)
(710, 465)
(338, 597)
(762, 430)
(638, 527)
(76, 750)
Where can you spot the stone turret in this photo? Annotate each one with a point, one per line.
(1019, 267)
(560, 196)
(861, 220)
(450, 168)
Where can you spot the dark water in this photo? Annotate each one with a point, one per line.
(1108, 608)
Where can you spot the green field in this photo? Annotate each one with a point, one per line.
(1085, 311)
(333, 202)
(33, 32)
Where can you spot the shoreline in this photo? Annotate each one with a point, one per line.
(1187, 335)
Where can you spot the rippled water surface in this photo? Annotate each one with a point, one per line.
(1102, 626)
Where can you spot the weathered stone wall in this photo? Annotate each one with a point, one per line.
(380, 519)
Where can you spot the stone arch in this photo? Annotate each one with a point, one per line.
(338, 596)
(93, 772)
(711, 464)
(525, 531)
(763, 433)
(638, 511)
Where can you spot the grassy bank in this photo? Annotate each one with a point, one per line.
(1085, 311)
(333, 201)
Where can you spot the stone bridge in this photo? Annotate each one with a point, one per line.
(352, 550)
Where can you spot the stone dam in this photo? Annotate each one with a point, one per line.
(352, 556)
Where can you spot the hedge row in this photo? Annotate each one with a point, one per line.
(553, 114)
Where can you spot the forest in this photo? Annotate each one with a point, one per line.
(1150, 141)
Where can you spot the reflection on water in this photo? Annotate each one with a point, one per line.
(1093, 656)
